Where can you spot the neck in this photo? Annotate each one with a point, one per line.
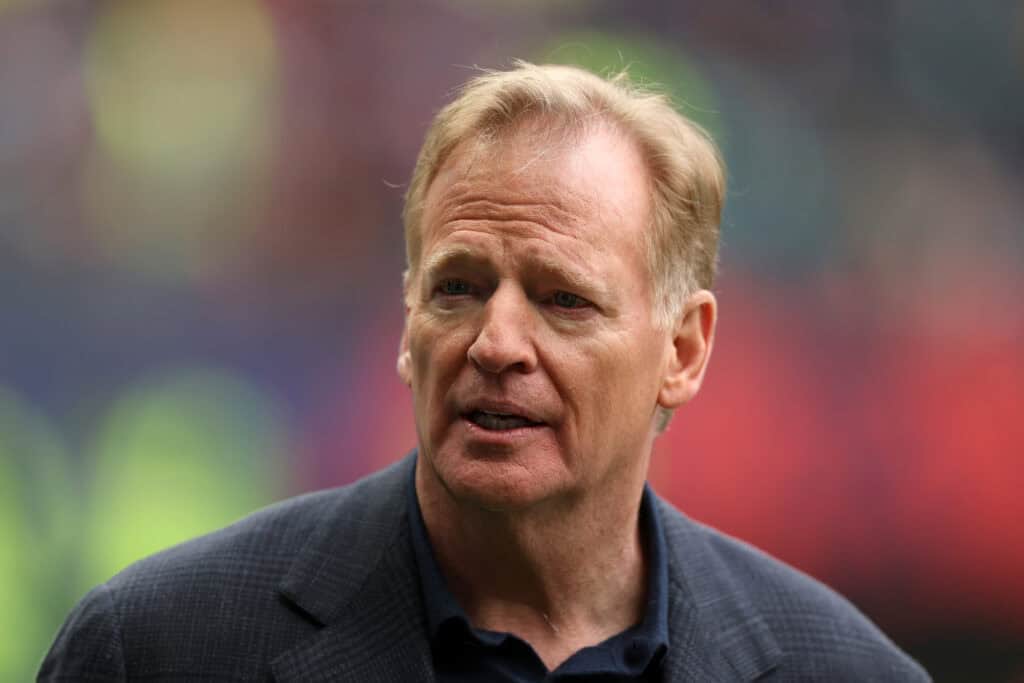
(561, 575)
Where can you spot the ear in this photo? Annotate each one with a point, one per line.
(404, 365)
(692, 338)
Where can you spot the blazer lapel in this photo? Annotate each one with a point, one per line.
(715, 632)
(691, 656)
(356, 577)
(380, 637)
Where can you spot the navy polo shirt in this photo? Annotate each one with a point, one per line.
(463, 653)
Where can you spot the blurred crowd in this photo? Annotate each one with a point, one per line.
(200, 292)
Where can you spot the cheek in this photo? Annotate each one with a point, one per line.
(437, 356)
(617, 381)
(589, 381)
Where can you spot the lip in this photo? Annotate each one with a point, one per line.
(502, 437)
(502, 407)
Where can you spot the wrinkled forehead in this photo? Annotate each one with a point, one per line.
(591, 174)
(532, 152)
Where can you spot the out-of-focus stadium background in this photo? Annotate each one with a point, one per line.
(200, 256)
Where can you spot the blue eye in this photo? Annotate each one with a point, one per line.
(453, 287)
(568, 300)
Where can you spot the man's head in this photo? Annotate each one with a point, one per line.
(686, 174)
(541, 351)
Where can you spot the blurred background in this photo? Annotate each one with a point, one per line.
(201, 247)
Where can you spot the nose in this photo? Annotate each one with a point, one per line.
(505, 341)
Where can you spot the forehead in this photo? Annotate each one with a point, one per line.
(589, 185)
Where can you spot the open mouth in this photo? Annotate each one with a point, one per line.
(499, 421)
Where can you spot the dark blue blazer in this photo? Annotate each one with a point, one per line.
(324, 588)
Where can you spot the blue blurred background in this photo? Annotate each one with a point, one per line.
(200, 257)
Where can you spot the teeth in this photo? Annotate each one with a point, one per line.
(496, 421)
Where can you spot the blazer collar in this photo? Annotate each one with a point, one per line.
(356, 577)
(715, 631)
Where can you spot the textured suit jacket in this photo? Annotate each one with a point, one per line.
(324, 588)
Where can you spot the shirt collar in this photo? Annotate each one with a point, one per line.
(444, 611)
(441, 605)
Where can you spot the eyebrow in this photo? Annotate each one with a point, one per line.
(455, 255)
(590, 286)
(449, 256)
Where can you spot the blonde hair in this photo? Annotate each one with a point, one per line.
(686, 170)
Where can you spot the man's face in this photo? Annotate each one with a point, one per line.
(530, 345)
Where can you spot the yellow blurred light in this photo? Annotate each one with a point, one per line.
(183, 96)
(181, 86)
(177, 456)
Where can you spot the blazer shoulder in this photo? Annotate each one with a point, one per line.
(821, 634)
(88, 644)
(268, 539)
(221, 591)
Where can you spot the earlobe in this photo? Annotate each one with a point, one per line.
(691, 342)
(404, 365)
(404, 369)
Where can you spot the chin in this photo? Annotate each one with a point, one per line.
(499, 482)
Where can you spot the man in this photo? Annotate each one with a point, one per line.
(561, 232)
